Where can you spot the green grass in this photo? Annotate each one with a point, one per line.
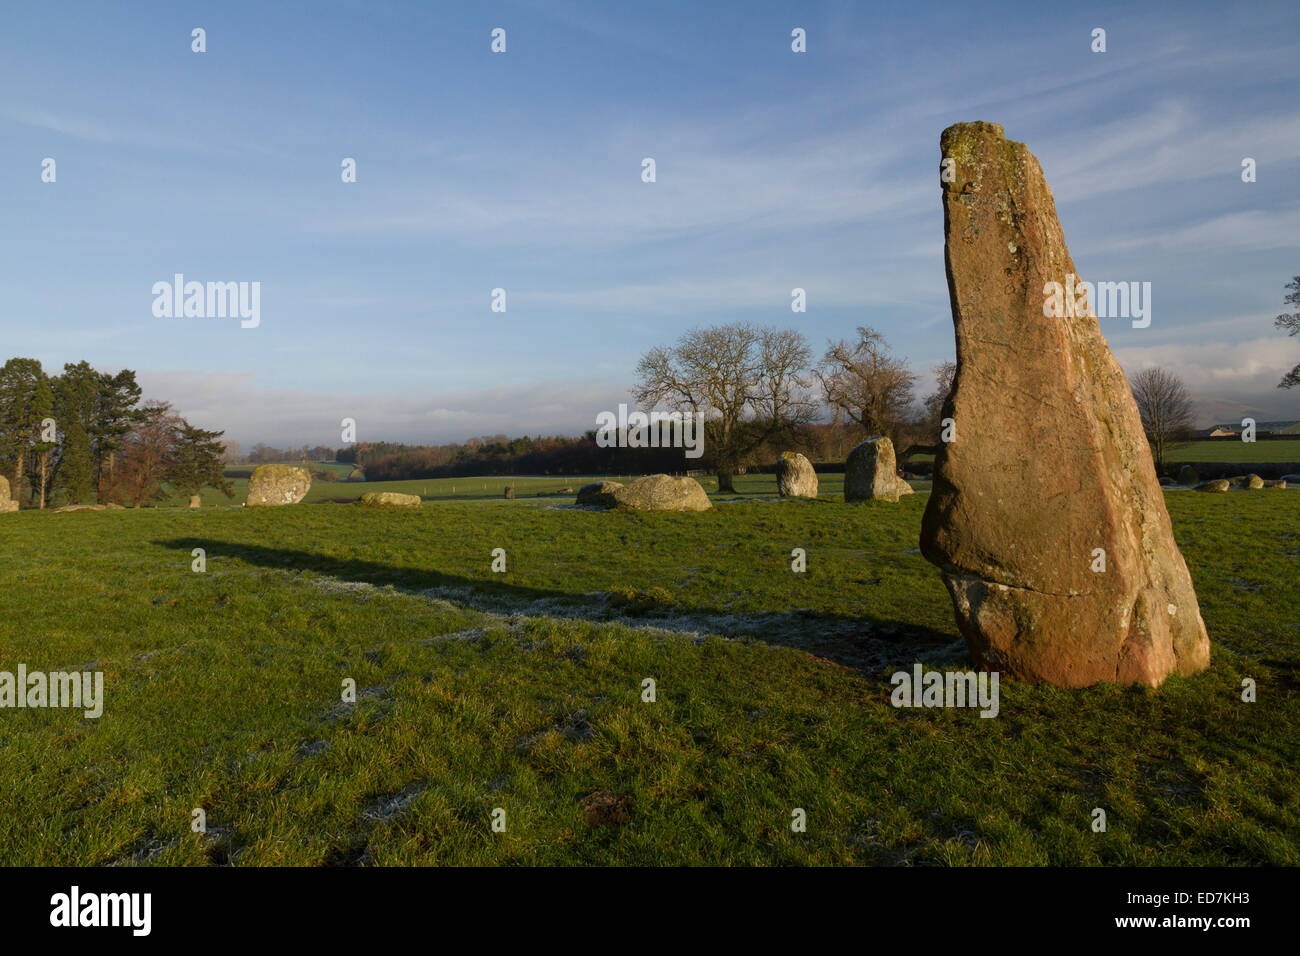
(523, 691)
(1283, 449)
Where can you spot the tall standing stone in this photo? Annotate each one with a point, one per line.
(1045, 517)
(795, 476)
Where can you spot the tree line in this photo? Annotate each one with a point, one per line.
(761, 392)
(85, 435)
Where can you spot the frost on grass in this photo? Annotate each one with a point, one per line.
(388, 807)
(856, 643)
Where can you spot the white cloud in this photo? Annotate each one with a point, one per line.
(1226, 378)
(250, 413)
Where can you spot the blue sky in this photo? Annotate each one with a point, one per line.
(522, 171)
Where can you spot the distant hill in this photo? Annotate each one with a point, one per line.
(1261, 428)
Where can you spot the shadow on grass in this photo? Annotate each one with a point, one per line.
(865, 643)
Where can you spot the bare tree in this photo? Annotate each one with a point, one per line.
(921, 427)
(1166, 410)
(865, 383)
(147, 453)
(944, 373)
(1290, 322)
(749, 382)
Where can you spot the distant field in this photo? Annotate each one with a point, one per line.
(491, 487)
(752, 485)
(340, 468)
(522, 691)
(757, 485)
(1285, 449)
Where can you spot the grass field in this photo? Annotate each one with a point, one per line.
(754, 484)
(1283, 449)
(522, 691)
(466, 489)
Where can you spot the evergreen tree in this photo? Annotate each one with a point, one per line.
(116, 413)
(76, 475)
(76, 397)
(196, 461)
(18, 428)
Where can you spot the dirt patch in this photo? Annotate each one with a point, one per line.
(604, 809)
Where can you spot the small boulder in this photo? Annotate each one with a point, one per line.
(389, 499)
(196, 501)
(1217, 485)
(1278, 483)
(1166, 480)
(1250, 482)
(662, 493)
(565, 491)
(599, 493)
(871, 471)
(272, 485)
(795, 477)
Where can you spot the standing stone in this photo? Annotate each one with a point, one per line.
(1187, 475)
(277, 485)
(1050, 461)
(871, 471)
(510, 493)
(795, 477)
(5, 504)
